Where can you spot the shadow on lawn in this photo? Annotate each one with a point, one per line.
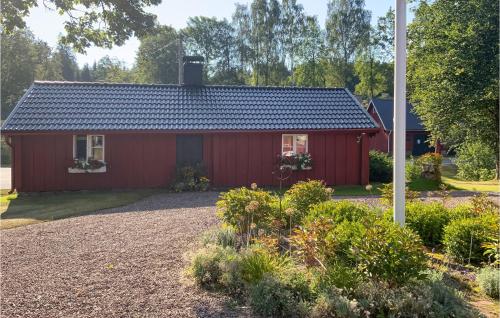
(31, 209)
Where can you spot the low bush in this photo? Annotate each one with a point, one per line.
(430, 166)
(412, 170)
(380, 167)
(427, 220)
(489, 281)
(387, 192)
(463, 237)
(223, 236)
(475, 161)
(274, 297)
(426, 298)
(335, 304)
(190, 178)
(339, 211)
(338, 275)
(389, 252)
(208, 265)
(302, 195)
(245, 209)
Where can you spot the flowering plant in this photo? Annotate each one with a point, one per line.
(301, 161)
(90, 164)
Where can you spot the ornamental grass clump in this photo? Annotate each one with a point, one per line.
(489, 281)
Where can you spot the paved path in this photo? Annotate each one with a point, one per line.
(4, 178)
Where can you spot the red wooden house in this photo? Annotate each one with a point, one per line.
(382, 111)
(135, 135)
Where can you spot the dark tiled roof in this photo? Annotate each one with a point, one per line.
(385, 110)
(103, 106)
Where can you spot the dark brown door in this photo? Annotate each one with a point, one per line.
(189, 149)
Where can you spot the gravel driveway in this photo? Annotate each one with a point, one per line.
(121, 262)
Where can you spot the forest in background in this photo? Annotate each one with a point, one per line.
(268, 43)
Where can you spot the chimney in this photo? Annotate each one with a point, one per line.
(192, 71)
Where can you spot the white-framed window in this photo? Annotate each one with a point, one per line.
(88, 146)
(292, 144)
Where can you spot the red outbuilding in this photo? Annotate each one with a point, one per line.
(417, 137)
(73, 136)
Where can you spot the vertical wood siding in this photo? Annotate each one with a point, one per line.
(148, 160)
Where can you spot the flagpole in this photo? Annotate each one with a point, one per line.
(399, 135)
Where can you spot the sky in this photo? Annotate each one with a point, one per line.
(48, 25)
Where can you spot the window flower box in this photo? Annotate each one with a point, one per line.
(302, 161)
(78, 170)
(89, 166)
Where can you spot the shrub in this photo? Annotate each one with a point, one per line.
(463, 237)
(426, 298)
(243, 208)
(339, 211)
(475, 161)
(224, 236)
(303, 195)
(412, 170)
(389, 252)
(430, 166)
(208, 265)
(190, 178)
(334, 304)
(428, 220)
(489, 281)
(380, 167)
(273, 297)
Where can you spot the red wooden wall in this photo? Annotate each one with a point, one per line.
(140, 160)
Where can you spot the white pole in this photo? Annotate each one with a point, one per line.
(399, 150)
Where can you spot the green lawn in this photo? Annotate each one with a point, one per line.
(18, 211)
(449, 177)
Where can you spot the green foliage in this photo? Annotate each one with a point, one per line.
(427, 220)
(338, 275)
(98, 22)
(340, 211)
(489, 281)
(256, 263)
(475, 161)
(387, 193)
(208, 265)
(455, 91)
(223, 236)
(190, 178)
(243, 207)
(390, 252)
(430, 166)
(275, 297)
(380, 167)
(426, 298)
(463, 237)
(334, 304)
(304, 194)
(412, 170)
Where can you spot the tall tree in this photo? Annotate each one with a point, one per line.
(156, 60)
(453, 70)
(347, 28)
(90, 22)
(292, 29)
(384, 36)
(111, 70)
(310, 54)
(66, 60)
(85, 75)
